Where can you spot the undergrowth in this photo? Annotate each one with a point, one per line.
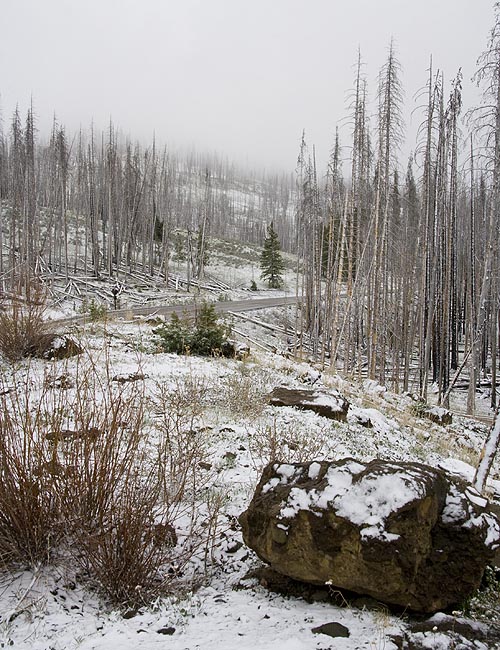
(205, 336)
(103, 477)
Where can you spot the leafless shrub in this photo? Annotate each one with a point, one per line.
(30, 514)
(244, 393)
(286, 442)
(24, 329)
(83, 471)
(182, 444)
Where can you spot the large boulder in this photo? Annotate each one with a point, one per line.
(328, 404)
(404, 533)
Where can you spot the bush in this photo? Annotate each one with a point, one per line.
(204, 337)
(97, 311)
(81, 479)
(24, 330)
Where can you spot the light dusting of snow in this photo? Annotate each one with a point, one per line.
(218, 617)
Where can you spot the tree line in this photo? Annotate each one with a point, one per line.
(98, 203)
(400, 266)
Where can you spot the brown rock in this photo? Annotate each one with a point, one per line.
(438, 415)
(404, 533)
(60, 347)
(328, 404)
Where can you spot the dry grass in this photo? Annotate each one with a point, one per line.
(286, 442)
(244, 392)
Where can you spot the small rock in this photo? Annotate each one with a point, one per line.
(332, 629)
(166, 630)
(438, 415)
(133, 376)
(60, 347)
(330, 405)
(234, 547)
(235, 350)
(63, 382)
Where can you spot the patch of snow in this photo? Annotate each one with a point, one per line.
(457, 467)
(453, 511)
(270, 485)
(367, 502)
(438, 411)
(287, 472)
(474, 496)
(372, 499)
(436, 641)
(58, 342)
(374, 388)
(459, 510)
(322, 399)
(314, 469)
(380, 423)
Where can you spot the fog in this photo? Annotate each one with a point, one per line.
(240, 77)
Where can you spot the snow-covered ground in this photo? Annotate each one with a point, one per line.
(50, 608)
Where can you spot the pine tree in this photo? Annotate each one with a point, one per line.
(271, 261)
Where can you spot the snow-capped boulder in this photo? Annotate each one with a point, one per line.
(438, 415)
(60, 346)
(404, 533)
(329, 404)
(235, 350)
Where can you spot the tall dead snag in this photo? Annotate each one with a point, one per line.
(309, 232)
(488, 123)
(486, 119)
(347, 210)
(390, 96)
(332, 233)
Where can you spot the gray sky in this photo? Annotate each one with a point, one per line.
(240, 77)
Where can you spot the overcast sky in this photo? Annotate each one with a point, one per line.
(240, 77)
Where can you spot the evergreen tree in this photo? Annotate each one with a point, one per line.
(271, 261)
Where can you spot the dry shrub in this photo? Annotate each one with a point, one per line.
(24, 329)
(30, 512)
(245, 392)
(83, 473)
(182, 442)
(274, 440)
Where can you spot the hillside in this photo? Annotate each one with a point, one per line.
(221, 435)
